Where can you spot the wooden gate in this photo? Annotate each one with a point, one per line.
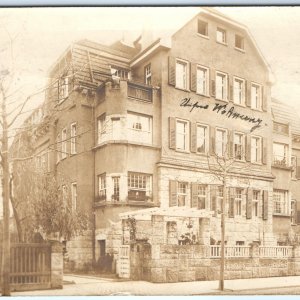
(124, 261)
(30, 266)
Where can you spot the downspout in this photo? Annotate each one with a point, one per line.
(93, 185)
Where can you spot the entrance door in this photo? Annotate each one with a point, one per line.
(102, 247)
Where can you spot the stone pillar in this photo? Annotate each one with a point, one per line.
(254, 257)
(56, 265)
(296, 259)
(158, 230)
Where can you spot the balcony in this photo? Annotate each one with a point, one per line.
(139, 91)
(280, 161)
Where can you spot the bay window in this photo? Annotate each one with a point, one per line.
(139, 186)
(139, 128)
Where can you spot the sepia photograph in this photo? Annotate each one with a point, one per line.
(150, 151)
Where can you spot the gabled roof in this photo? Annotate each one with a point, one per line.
(286, 114)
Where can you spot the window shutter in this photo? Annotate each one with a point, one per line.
(248, 148)
(248, 94)
(229, 148)
(213, 199)
(194, 193)
(212, 140)
(193, 137)
(249, 204)
(212, 83)
(265, 205)
(297, 168)
(172, 127)
(231, 202)
(193, 77)
(297, 211)
(230, 88)
(173, 193)
(172, 70)
(264, 151)
(264, 99)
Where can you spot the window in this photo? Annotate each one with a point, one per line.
(181, 74)
(239, 42)
(64, 195)
(73, 138)
(239, 91)
(239, 146)
(221, 142)
(280, 154)
(202, 80)
(148, 74)
(202, 28)
(280, 200)
(121, 73)
(74, 195)
(58, 148)
(221, 86)
(139, 186)
(294, 166)
(255, 203)
(221, 36)
(281, 128)
(293, 211)
(255, 149)
(116, 185)
(102, 187)
(219, 197)
(63, 88)
(101, 128)
(256, 96)
(64, 143)
(238, 202)
(182, 137)
(182, 193)
(202, 139)
(202, 192)
(139, 128)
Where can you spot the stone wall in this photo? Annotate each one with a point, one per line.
(176, 263)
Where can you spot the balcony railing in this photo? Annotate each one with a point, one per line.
(280, 161)
(230, 251)
(140, 92)
(276, 252)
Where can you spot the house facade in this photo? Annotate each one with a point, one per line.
(140, 127)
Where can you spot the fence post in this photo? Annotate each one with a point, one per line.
(56, 265)
(296, 259)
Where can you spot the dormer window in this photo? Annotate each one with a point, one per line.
(119, 72)
(239, 42)
(202, 28)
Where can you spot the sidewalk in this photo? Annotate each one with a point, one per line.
(93, 286)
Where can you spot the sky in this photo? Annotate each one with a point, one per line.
(40, 35)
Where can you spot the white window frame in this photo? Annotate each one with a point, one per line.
(101, 128)
(223, 87)
(186, 135)
(64, 143)
(242, 135)
(256, 99)
(257, 148)
(136, 131)
(224, 142)
(241, 92)
(74, 195)
(73, 139)
(102, 186)
(202, 194)
(223, 37)
(116, 187)
(181, 185)
(140, 182)
(148, 74)
(238, 201)
(256, 203)
(280, 202)
(206, 138)
(242, 42)
(219, 197)
(281, 160)
(185, 75)
(206, 28)
(204, 83)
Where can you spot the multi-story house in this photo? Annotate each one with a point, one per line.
(138, 126)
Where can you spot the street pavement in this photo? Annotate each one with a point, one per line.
(79, 285)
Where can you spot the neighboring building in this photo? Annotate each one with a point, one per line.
(121, 138)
